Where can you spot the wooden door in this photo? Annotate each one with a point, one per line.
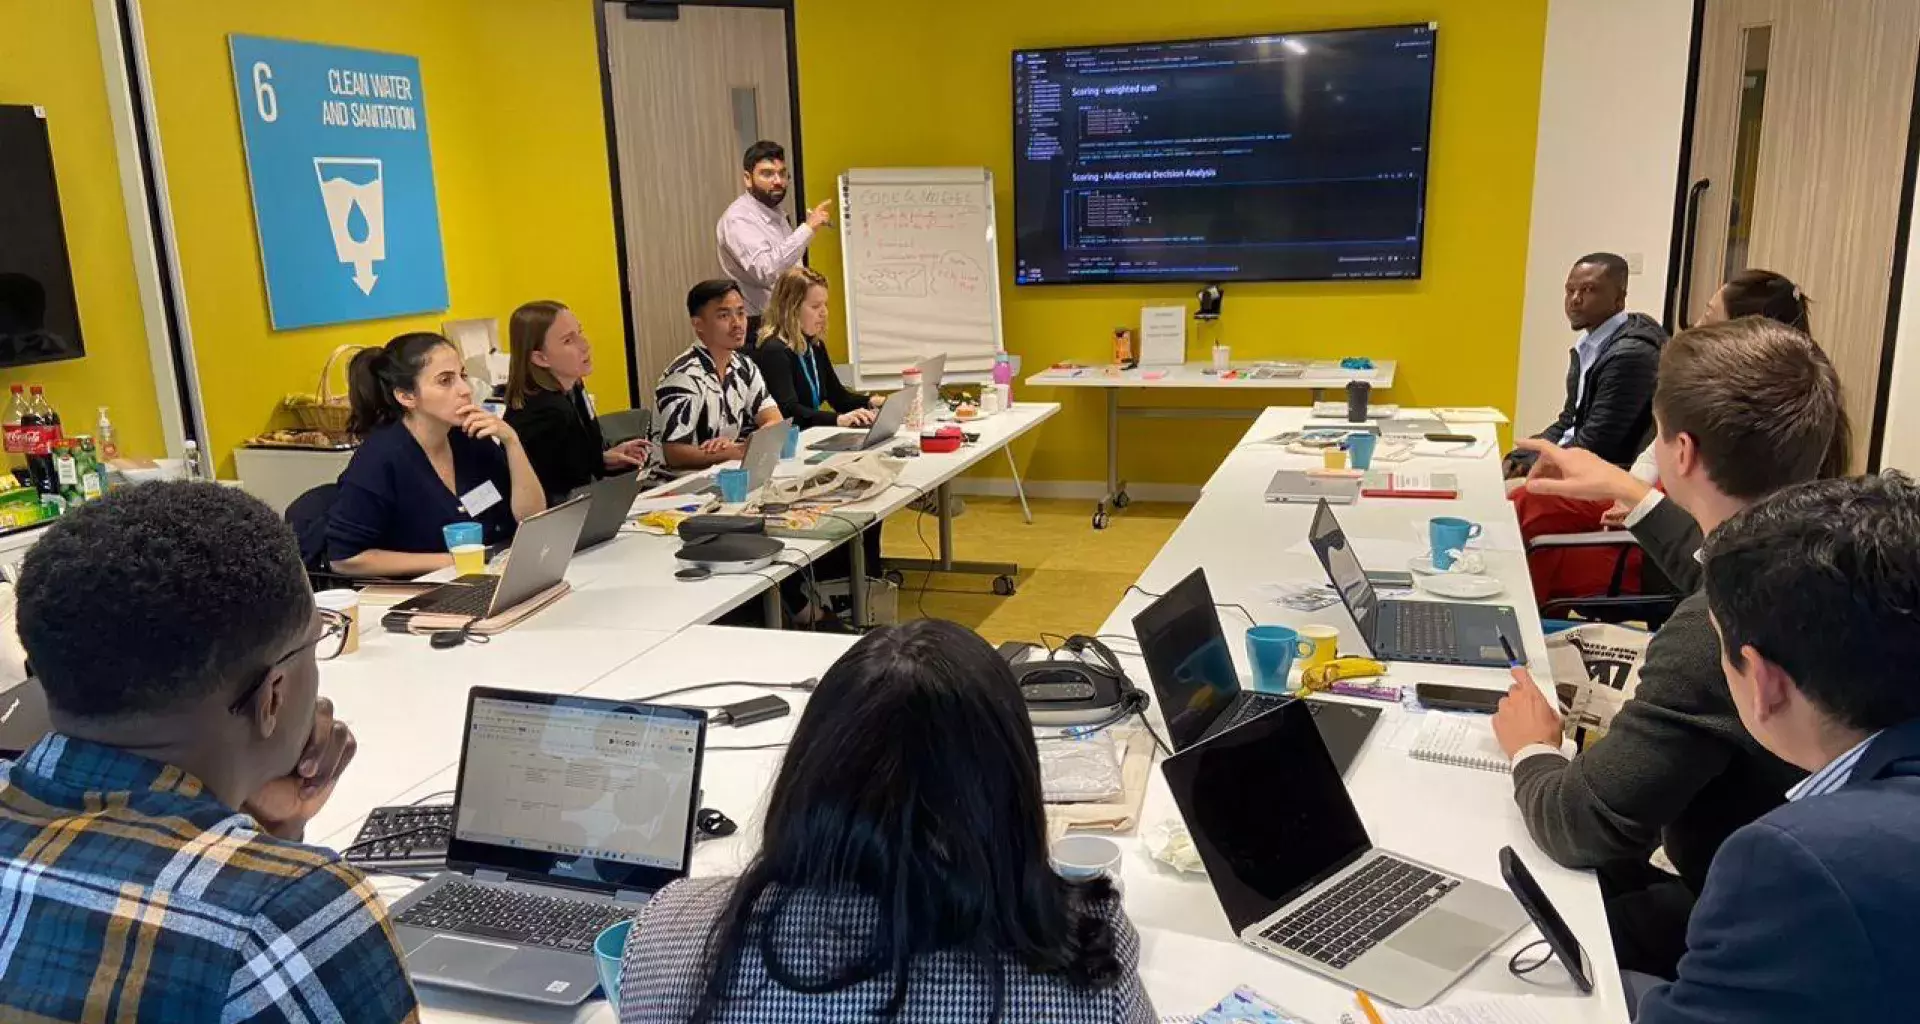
(1800, 130)
(689, 96)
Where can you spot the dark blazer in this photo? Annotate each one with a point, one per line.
(562, 440)
(1809, 914)
(1676, 767)
(1613, 417)
(390, 499)
(1670, 536)
(789, 385)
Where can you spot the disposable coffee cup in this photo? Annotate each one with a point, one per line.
(346, 602)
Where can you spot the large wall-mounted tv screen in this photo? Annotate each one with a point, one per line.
(1297, 157)
(39, 321)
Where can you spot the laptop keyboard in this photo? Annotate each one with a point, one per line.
(1359, 913)
(1253, 707)
(1424, 629)
(471, 596)
(513, 915)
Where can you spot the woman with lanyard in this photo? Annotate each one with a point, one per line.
(794, 361)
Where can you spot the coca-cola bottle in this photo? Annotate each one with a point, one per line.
(40, 436)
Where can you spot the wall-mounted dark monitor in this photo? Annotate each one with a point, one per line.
(39, 321)
(1297, 157)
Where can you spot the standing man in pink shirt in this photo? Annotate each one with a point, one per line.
(757, 244)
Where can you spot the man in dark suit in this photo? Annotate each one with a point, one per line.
(1809, 913)
(1610, 371)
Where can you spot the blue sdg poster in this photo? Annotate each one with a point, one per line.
(342, 181)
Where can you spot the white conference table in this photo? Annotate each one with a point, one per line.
(407, 701)
(628, 583)
(1316, 376)
(1455, 818)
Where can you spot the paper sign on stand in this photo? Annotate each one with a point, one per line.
(1163, 335)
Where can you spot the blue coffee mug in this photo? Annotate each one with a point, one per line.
(1448, 536)
(608, 950)
(733, 485)
(1271, 650)
(1360, 449)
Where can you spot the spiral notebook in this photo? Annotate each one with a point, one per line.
(1508, 1010)
(1465, 740)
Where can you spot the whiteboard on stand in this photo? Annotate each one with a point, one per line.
(922, 271)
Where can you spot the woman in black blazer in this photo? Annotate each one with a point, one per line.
(794, 362)
(548, 405)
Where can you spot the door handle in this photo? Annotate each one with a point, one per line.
(1689, 232)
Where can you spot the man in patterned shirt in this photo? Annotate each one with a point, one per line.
(151, 867)
(712, 398)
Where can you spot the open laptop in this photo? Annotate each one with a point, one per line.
(571, 813)
(609, 501)
(1198, 688)
(886, 423)
(536, 560)
(23, 718)
(1434, 632)
(1299, 879)
(761, 459)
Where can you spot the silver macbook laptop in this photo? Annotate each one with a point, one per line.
(542, 549)
(1295, 487)
(611, 499)
(1299, 879)
(571, 813)
(761, 459)
(886, 424)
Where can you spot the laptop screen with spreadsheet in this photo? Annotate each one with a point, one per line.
(578, 788)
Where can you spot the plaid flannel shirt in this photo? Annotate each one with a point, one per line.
(128, 893)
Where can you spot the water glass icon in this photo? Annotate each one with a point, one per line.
(351, 190)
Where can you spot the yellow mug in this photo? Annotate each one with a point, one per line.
(1326, 644)
(1335, 456)
(469, 559)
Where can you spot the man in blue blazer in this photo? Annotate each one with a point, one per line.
(1812, 913)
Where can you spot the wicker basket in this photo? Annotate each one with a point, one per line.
(326, 411)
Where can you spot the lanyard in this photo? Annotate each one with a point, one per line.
(813, 376)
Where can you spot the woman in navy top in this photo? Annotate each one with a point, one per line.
(428, 457)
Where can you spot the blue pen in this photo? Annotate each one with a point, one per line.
(1513, 660)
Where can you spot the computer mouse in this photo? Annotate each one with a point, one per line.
(447, 639)
(713, 824)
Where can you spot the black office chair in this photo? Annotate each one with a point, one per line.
(1653, 604)
(626, 425)
(307, 514)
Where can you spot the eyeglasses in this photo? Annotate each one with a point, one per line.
(326, 647)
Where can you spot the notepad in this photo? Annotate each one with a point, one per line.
(1511, 1010)
(1464, 740)
(1241, 1006)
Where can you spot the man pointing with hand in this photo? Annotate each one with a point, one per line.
(756, 243)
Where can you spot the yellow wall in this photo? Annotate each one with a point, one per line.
(887, 83)
(50, 55)
(519, 156)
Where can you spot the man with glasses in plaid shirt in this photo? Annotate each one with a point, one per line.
(151, 865)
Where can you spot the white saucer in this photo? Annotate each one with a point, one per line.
(1422, 565)
(1461, 585)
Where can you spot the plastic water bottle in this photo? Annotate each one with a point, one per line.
(192, 459)
(912, 390)
(1002, 368)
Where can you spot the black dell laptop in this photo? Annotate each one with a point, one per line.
(1198, 688)
(23, 718)
(1434, 632)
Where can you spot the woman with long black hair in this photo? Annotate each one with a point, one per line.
(903, 872)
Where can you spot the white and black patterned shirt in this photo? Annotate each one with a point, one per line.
(664, 970)
(694, 405)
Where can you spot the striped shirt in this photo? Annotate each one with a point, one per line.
(1833, 776)
(127, 892)
(694, 404)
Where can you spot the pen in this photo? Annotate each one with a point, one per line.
(1366, 1007)
(1513, 661)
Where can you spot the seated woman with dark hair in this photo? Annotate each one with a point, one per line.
(903, 872)
(429, 456)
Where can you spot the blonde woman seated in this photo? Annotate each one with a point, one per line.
(793, 360)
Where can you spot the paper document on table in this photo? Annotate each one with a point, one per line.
(1163, 335)
(1512, 1010)
(1463, 740)
(1471, 414)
